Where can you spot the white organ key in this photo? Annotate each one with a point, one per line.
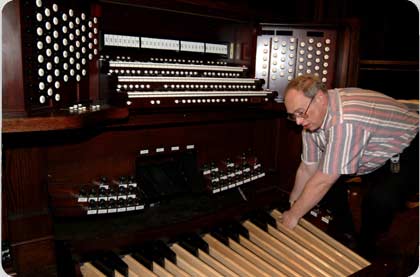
(315, 248)
(137, 267)
(89, 270)
(328, 244)
(181, 253)
(341, 248)
(304, 252)
(231, 259)
(160, 271)
(174, 269)
(278, 253)
(215, 264)
(283, 267)
(117, 274)
(186, 266)
(250, 256)
(290, 252)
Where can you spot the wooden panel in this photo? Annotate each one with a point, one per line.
(62, 120)
(12, 72)
(113, 153)
(25, 181)
(30, 226)
(35, 257)
(347, 58)
(287, 148)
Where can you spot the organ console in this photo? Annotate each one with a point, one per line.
(149, 138)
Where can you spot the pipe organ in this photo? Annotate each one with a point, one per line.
(144, 138)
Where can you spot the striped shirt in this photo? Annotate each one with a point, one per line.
(361, 130)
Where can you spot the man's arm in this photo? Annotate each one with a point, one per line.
(304, 172)
(314, 190)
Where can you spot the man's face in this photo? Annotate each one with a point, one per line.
(307, 112)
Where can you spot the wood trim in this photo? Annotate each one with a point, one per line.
(63, 121)
(389, 62)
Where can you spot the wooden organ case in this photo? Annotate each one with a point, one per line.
(143, 137)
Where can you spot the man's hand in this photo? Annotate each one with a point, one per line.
(289, 220)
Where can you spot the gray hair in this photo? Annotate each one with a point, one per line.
(308, 84)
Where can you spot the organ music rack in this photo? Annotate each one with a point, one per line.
(57, 143)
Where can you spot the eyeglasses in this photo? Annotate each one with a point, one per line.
(294, 116)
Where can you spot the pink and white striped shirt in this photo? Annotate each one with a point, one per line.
(361, 131)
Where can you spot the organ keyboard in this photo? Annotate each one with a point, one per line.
(258, 246)
(178, 79)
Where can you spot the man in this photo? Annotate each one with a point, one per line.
(349, 132)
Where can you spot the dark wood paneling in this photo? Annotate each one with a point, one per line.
(28, 219)
(347, 66)
(288, 149)
(25, 181)
(12, 74)
(35, 258)
(113, 153)
(30, 226)
(63, 120)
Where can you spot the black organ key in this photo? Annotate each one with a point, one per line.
(261, 218)
(144, 259)
(114, 262)
(258, 221)
(235, 229)
(103, 267)
(136, 267)
(141, 258)
(106, 264)
(158, 257)
(196, 241)
(220, 235)
(195, 245)
(223, 234)
(232, 259)
(189, 247)
(145, 255)
(161, 250)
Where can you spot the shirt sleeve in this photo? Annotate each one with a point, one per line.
(311, 147)
(344, 149)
